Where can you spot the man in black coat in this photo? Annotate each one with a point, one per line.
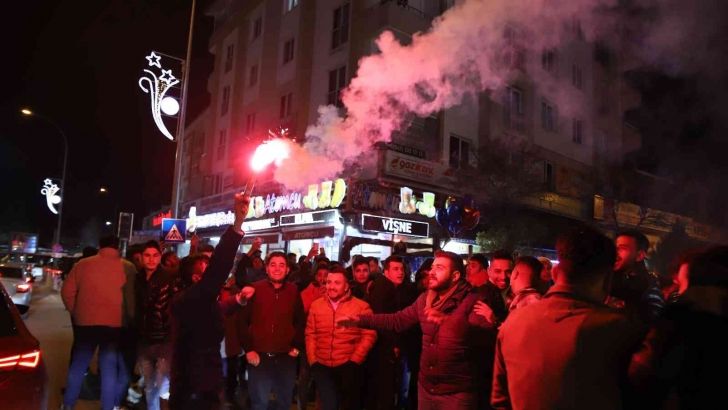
(388, 293)
(197, 324)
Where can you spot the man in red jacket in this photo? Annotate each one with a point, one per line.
(272, 335)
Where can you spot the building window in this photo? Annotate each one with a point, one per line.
(286, 107)
(577, 129)
(576, 76)
(221, 139)
(548, 116)
(459, 152)
(337, 82)
(548, 176)
(253, 76)
(340, 32)
(548, 60)
(249, 123)
(289, 5)
(513, 108)
(229, 53)
(225, 106)
(257, 27)
(288, 50)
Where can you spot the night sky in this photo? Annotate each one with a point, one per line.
(79, 66)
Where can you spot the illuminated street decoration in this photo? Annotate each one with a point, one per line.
(157, 87)
(50, 190)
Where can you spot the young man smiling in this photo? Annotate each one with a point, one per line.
(272, 338)
(336, 353)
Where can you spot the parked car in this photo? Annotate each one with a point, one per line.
(18, 283)
(23, 377)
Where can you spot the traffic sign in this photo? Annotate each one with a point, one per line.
(174, 230)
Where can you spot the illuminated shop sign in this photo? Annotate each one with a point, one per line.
(327, 194)
(216, 219)
(407, 202)
(157, 219)
(327, 232)
(395, 226)
(309, 218)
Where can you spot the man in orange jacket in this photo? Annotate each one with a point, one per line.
(336, 353)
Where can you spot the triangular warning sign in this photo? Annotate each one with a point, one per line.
(173, 234)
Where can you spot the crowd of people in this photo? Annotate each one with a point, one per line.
(595, 331)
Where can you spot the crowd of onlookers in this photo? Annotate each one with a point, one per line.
(596, 330)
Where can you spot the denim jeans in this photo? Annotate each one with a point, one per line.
(154, 361)
(339, 387)
(87, 339)
(274, 373)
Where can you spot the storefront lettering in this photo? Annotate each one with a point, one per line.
(397, 226)
(327, 194)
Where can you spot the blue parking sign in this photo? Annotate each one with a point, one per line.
(174, 230)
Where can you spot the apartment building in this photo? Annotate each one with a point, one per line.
(276, 62)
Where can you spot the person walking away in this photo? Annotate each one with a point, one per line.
(569, 350)
(93, 294)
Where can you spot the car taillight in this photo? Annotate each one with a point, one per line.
(22, 288)
(27, 360)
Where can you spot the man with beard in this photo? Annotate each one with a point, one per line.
(197, 322)
(633, 287)
(445, 314)
(272, 335)
(335, 353)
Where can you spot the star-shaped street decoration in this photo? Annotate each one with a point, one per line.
(154, 60)
(167, 76)
(47, 182)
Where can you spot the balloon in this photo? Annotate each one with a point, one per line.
(441, 217)
(471, 217)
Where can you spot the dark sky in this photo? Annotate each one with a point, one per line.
(79, 63)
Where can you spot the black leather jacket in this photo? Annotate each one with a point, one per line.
(154, 297)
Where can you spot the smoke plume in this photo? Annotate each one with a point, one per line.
(469, 49)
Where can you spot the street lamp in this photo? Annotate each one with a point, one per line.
(29, 113)
(103, 190)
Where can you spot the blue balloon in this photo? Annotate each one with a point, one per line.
(441, 217)
(454, 211)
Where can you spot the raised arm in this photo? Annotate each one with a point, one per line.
(224, 256)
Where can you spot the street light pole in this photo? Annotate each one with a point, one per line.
(29, 113)
(177, 179)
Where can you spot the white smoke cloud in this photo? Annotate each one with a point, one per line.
(461, 55)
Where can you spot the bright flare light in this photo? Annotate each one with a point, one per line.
(271, 151)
